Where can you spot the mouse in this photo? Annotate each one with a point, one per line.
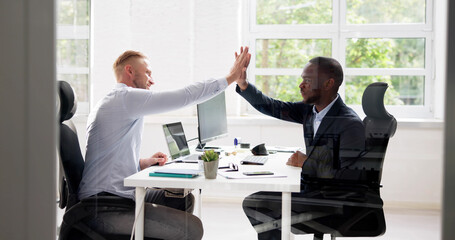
(260, 150)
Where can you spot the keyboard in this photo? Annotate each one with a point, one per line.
(194, 156)
(255, 160)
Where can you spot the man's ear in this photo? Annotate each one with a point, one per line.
(329, 84)
(129, 70)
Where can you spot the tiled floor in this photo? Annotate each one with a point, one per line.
(226, 221)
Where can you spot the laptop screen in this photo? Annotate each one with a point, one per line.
(176, 140)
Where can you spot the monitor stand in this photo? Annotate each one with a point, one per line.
(201, 147)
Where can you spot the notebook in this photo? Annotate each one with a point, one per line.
(175, 172)
(177, 145)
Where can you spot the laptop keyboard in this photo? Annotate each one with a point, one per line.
(257, 160)
(194, 156)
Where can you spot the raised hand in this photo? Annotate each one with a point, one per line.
(243, 81)
(238, 70)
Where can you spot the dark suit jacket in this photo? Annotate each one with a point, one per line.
(340, 138)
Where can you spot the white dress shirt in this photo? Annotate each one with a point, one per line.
(318, 116)
(114, 131)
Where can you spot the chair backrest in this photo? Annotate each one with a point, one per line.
(379, 127)
(71, 158)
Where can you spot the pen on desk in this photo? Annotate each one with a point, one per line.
(289, 151)
(286, 151)
(180, 161)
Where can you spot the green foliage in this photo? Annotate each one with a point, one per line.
(294, 12)
(72, 52)
(385, 53)
(385, 11)
(403, 90)
(365, 52)
(360, 52)
(73, 12)
(209, 156)
(285, 88)
(355, 86)
(290, 53)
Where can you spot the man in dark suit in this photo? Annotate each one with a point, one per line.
(334, 137)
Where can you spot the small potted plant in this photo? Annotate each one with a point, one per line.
(211, 161)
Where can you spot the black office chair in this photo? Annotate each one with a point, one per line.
(80, 216)
(351, 206)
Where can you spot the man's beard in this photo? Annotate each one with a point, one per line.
(313, 99)
(137, 83)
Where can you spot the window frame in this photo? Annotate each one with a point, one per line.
(339, 32)
(78, 32)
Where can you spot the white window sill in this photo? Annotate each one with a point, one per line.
(265, 120)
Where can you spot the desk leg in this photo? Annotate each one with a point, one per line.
(199, 204)
(286, 216)
(139, 231)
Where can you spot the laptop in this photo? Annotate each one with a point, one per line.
(177, 144)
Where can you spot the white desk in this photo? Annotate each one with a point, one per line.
(276, 163)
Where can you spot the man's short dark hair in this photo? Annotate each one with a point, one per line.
(329, 66)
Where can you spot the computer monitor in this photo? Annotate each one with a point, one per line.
(212, 120)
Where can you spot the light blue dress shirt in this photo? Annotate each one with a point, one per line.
(114, 131)
(318, 116)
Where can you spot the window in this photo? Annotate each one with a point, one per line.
(375, 40)
(73, 41)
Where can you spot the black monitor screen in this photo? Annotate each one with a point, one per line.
(212, 119)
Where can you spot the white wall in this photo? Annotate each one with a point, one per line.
(185, 41)
(110, 36)
(194, 40)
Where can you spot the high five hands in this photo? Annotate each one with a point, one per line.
(238, 70)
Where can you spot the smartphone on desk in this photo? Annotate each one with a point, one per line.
(257, 173)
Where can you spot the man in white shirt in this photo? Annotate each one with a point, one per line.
(114, 133)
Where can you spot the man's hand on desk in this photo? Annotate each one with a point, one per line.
(157, 158)
(297, 159)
